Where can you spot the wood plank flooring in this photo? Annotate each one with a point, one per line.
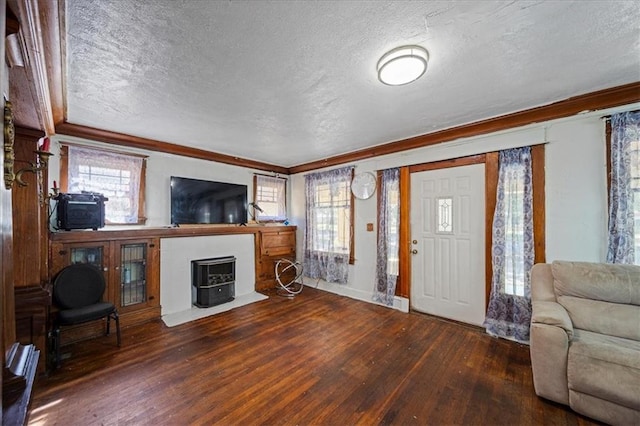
(316, 359)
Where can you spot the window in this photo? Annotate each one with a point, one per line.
(270, 194)
(329, 223)
(514, 249)
(119, 177)
(332, 214)
(387, 264)
(445, 215)
(513, 223)
(623, 143)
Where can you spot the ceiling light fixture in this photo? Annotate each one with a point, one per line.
(402, 65)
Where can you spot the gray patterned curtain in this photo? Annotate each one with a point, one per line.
(625, 134)
(327, 233)
(388, 237)
(512, 250)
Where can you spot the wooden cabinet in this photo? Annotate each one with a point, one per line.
(131, 270)
(273, 244)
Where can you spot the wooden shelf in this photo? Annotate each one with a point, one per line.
(162, 232)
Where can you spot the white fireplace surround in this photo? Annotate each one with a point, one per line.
(176, 255)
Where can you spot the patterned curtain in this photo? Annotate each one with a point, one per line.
(512, 251)
(327, 236)
(388, 237)
(625, 134)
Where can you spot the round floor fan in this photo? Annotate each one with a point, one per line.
(289, 268)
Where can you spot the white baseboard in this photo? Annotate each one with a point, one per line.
(399, 303)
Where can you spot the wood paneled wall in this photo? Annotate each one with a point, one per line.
(6, 268)
(30, 247)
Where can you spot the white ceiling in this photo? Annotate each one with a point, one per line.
(290, 82)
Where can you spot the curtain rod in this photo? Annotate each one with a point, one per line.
(608, 117)
(99, 148)
(274, 175)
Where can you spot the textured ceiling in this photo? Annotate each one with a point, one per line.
(288, 83)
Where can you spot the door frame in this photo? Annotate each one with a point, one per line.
(490, 160)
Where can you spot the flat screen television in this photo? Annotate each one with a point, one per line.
(195, 201)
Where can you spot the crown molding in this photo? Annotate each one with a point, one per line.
(33, 16)
(602, 99)
(47, 18)
(158, 146)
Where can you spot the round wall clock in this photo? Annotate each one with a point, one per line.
(363, 185)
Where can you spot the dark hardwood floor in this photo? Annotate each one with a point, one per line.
(316, 359)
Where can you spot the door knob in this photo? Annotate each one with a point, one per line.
(414, 251)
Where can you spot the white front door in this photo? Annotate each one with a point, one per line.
(447, 232)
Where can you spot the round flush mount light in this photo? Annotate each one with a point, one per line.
(402, 65)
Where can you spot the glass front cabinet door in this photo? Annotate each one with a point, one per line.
(93, 253)
(134, 274)
(131, 269)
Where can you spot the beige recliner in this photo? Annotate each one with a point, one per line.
(585, 338)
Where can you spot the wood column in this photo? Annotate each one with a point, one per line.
(29, 215)
(30, 246)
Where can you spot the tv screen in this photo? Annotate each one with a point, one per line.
(195, 201)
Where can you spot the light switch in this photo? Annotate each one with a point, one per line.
(370, 227)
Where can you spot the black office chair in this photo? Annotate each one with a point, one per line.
(77, 292)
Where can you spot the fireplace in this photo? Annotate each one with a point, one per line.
(213, 281)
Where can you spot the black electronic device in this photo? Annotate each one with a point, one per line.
(195, 201)
(80, 211)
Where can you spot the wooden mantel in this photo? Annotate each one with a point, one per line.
(161, 232)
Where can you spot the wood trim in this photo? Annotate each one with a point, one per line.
(445, 164)
(158, 146)
(166, 232)
(491, 167)
(602, 99)
(539, 206)
(142, 190)
(255, 189)
(97, 148)
(403, 286)
(64, 168)
(29, 13)
(52, 15)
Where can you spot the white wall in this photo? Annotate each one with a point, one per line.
(176, 255)
(576, 218)
(576, 190)
(576, 198)
(160, 168)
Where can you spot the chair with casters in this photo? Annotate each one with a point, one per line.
(77, 293)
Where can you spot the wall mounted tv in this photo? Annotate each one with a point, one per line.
(195, 201)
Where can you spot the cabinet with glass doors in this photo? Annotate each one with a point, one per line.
(131, 271)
